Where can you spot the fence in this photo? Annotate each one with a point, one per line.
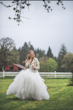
(43, 74)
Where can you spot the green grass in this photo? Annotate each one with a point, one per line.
(61, 97)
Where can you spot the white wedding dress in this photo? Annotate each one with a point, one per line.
(28, 85)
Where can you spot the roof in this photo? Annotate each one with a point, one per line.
(20, 66)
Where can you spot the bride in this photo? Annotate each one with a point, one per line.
(28, 84)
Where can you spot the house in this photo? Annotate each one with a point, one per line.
(14, 67)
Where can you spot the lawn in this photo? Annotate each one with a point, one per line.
(61, 97)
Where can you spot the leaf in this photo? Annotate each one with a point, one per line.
(45, 5)
(49, 7)
(23, 2)
(62, 4)
(15, 18)
(8, 6)
(48, 1)
(64, 8)
(9, 18)
(18, 16)
(13, 2)
(28, 4)
(17, 11)
(59, 0)
(22, 7)
(14, 8)
(57, 3)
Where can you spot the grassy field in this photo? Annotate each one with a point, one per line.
(61, 97)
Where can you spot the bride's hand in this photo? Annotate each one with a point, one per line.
(33, 66)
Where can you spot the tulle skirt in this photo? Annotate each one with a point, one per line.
(28, 85)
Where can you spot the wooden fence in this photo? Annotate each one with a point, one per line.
(43, 74)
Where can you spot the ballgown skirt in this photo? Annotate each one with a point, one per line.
(28, 85)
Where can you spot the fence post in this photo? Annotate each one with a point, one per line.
(3, 73)
(55, 74)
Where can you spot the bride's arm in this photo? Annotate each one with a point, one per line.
(37, 64)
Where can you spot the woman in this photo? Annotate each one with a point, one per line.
(28, 84)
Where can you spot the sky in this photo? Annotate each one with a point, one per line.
(42, 29)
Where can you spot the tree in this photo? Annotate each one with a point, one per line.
(24, 51)
(43, 63)
(19, 5)
(68, 64)
(48, 65)
(61, 55)
(39, 53)
(55, 58)
(44, 59)
(43, 66)
(49, 52)
(51, 65)
(13, 56)
(30, 46)
(6, 44)
(68, 61)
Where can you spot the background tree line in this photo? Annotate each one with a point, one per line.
(48, 62)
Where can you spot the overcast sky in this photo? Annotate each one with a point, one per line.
(42, 29)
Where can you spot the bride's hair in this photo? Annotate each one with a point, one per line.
(28, 56)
